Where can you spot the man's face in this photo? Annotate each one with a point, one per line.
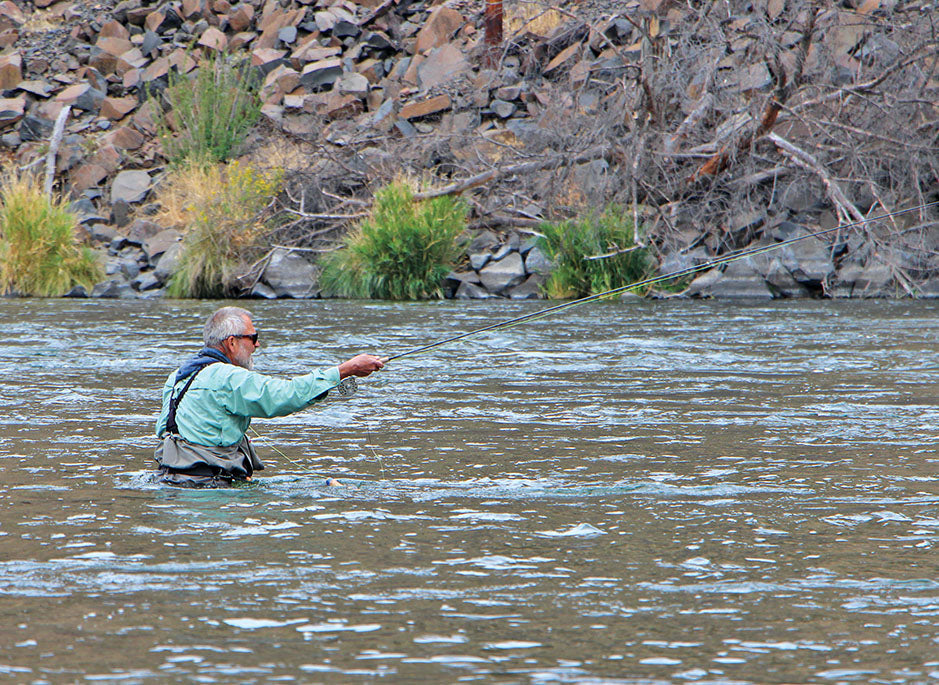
(242, 347)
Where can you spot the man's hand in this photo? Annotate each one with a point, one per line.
(362, 365)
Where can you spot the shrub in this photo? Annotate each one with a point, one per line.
(402, 251)
(39, 253)
(569, 243)
(212, 111)
(223, 222)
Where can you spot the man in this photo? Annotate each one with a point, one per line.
(209, 401)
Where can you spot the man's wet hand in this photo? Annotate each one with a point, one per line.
(361, 365)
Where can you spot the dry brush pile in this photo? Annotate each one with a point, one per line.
(714, 123)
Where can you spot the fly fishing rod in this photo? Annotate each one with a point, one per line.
(729, 257)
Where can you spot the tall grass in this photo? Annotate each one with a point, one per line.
(569, 243)
(212, 111)
(39, 253)
(402, 251)
(222, 211)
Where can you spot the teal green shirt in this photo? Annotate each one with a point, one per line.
(217, 408)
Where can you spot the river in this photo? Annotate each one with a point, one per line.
(629, 492)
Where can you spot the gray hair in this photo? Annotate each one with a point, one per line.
(223, 323)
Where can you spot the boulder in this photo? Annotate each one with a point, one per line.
(780, 281)
(455, 279)
(874, 280)
(103, 233)
(809, 261)
(416, 110)
(536, 262)
(157, 245)
(479, 259)
(168, 263)
(484, 240)
(11, 70)
(503, 274)
(510, 245)
(11, 110)
(442, 65)
(240, 19)
(290, 275)
(701, 285)
(471, 291)
(321, 74)
(262, 291)
(842, 285)
(87, 176)
(502, 108)
(117, 108)
(353, 84)
(146, 280)
(112, 289)
(740, 280)
(81, 96)
(35, 128)
(213, 39)
(85, 210)
(929, 289)
(530, 289)
(130, 186)
(440, 26)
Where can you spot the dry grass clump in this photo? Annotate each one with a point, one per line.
(224, 212)
(39, 253)
(539, 18)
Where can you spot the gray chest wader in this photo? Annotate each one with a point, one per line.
(201, 475)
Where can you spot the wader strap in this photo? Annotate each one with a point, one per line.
(171, 426)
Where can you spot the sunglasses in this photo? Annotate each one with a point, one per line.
(253, 337)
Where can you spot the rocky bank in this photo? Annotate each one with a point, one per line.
(732, 125)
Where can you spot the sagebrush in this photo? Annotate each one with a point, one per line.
(402, 251)
(210, 112)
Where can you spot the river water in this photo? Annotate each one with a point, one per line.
(630, 492)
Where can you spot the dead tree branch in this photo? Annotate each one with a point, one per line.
(846, 208)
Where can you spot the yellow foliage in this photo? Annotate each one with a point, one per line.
(535, 17)
(221, 211)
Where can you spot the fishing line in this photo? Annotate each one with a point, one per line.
(729, 257)
(274, 447)
(293, 461)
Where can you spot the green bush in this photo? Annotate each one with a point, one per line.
(212, 111)
(39, 253)
(569, 243)
(222, 212)
(402, 251)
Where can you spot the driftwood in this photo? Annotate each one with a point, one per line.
(58, 130)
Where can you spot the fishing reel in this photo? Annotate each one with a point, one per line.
(347, 387)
